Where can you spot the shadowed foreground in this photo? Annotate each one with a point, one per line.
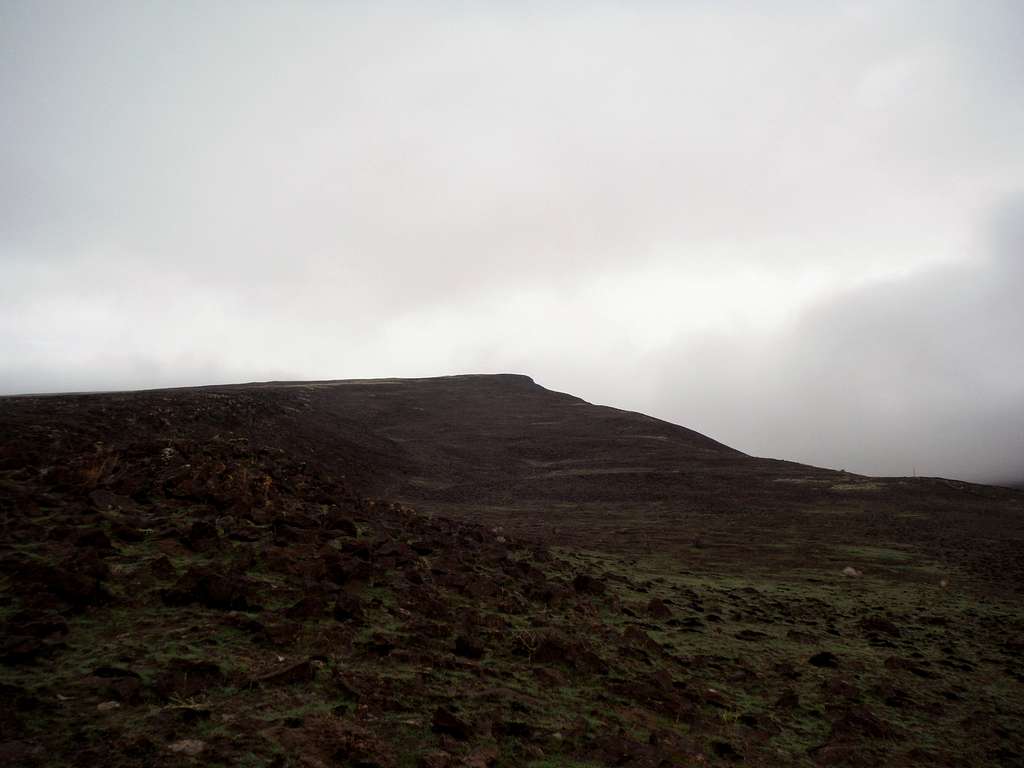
(208, 576)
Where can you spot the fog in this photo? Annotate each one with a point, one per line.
(797, 230)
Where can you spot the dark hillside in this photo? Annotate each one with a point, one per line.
(503, 450)
(475, 571)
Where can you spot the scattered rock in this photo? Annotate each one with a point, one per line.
(122, 685)
(436, 592)
(214, 590)
(201, 536)
(588, 585)
(839, 689)
(690, 624)
(752, 635)
(95, 540)
(300, 672)
(343, 525)
(725, 750)
(860, 722)
(16, 753)
(79, 587)
(107, 501)
(635, 637)
(447, 722)
(824, 659)
(280, 633)
(715, 698)
(435, 759)
(309, 607)
(481, 757)
(23, 649)
(657, 609)
(348, 608)
(788, 700)
(557, 649)
(880, 625)
(127, 533)
(469, 646)
(187, 678)
(804, 638)
(909, 665)
(786, 670)
(190, 747)
(163, 568)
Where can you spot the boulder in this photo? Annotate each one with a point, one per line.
(469, 646)
(657, 609)
(300, 672)
(824, 659)
(348, 607)
(186, 678)
(447, 722)
(586, 584)
(212, 589)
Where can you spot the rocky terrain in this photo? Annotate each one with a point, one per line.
(476, 571)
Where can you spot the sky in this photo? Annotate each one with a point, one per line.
(797, 227)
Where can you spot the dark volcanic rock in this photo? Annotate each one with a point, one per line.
(300, 672)
(824, 659)
(345, 567)
(343, 525)
(118, 684)
(214, 590)
(163, 568)
(127, 533)
(348, 608)
(789, 699)
(187, 678)
(634, 637)
(751, 635)
(78, 586)
(909, 665)
(23, 649)
(380, 644)
(860, 722)
(725, 750)
(469, 646)
(309, 607)
(202, 535)
(880, 625)
(88, 562)
(586, 584)
(557, 649)
(95, 539)
(281, 633)
(657, 609)
(544, 594)
(41, 624)
(447, 722)
(18, 753)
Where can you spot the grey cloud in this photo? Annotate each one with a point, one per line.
(239, 191)
(919, 373)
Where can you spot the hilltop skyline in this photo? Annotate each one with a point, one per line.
(796, 231)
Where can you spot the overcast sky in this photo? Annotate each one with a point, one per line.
(798, 230)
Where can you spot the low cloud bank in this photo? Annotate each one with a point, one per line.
(922, 374)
